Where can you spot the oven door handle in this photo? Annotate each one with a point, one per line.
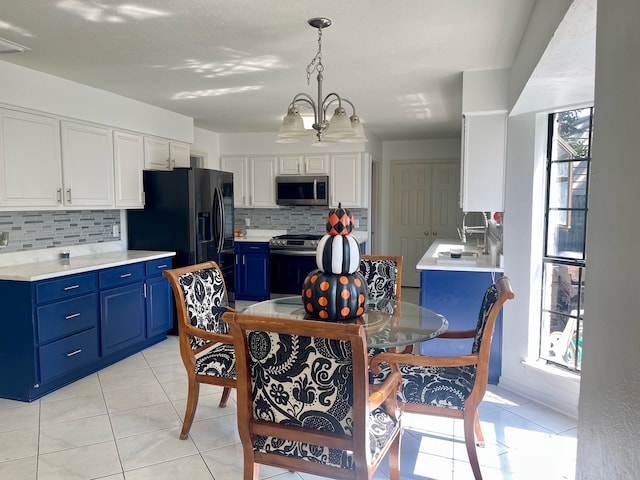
(294, 253)
(315, 189)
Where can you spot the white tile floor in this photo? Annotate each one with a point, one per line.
(123, 423)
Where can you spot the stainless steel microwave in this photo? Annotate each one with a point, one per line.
(302, 190)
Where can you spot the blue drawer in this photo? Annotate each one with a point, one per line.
(67, 355)
(60, 319)
(156, 267)
(113, 277)
(70, 286)
(252, 247)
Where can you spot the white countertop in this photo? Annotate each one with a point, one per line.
(429, 260)
(30, 272)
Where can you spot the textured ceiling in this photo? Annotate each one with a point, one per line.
(234, 66)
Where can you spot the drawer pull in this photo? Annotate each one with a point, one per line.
(164, 265)
(71, 354)
(73, 315)
(125, 275)
(71, 287)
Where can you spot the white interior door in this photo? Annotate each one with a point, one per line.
(410, 232)
(424, 207)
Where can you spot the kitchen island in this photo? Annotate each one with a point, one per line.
(455, 287)
(63, 319)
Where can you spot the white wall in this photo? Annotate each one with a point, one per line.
(609, 421)
(208, 142)
(23, 87)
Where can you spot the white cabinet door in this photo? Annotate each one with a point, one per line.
(30, 169)
(316, 164)
(345, 180)
(290, 165)
(128, 156)
(87, 165)
(156, 154)
(179, 154)
(483, 162)
(262, 185)
(237, 166)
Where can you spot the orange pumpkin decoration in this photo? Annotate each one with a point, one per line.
(331, 297)
(339, 221)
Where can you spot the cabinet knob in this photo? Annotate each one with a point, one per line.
(69, 195)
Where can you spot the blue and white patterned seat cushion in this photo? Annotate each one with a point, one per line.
(381, 277)
(205, 299)
(308, 382)
(218, 360)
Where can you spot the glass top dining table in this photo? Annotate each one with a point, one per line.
(387, 323)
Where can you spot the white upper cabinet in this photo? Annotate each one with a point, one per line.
(179, 154)
(30, 168)
(262, 181)
(483, 162)
(156, 154)
(303, 165)
(237, 166)
(128, 157)
(345, 180)
(87, 165)
(254, 180)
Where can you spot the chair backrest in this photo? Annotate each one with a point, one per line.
(302, 394)
(494, 298)
(201, 299)
(383, 274)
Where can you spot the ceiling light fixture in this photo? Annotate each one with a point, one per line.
(7, 46)
(341, 128)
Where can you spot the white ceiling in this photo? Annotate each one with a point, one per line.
(234, 66)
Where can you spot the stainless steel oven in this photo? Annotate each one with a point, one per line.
(291, 258)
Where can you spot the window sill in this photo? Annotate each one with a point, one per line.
(558, 372)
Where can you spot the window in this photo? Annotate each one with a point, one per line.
(564, 262)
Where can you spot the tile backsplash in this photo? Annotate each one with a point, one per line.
(44, 229)
(293, 219)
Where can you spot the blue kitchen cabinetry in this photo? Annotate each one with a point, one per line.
(458, 295)
(252, 271)
(59, 330)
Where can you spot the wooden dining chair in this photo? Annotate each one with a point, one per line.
(451, 386)
(304, 402)
(206, 347)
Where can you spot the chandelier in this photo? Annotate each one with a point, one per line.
(341, 128)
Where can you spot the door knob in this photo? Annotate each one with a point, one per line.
(426, 232)
(435, 233)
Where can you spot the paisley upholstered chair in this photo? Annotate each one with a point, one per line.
(206, 347)
(383, 274)
(304, 402)
(451, 386)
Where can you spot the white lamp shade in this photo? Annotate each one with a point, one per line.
(292, 128)
(359, 132)
(339, 126)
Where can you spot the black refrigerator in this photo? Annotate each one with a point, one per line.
(189, 211)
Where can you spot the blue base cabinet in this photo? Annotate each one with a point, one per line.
(59, 330)
(252, 271)
(458, 295)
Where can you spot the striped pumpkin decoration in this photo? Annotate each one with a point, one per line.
(338, 254)
(334, 297)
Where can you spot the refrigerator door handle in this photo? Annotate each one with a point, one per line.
(218, 211)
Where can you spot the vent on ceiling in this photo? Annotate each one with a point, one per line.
(7, 46)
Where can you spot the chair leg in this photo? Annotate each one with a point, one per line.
(394, 458)
(192, 403)
(225, 396)
(469, 440)
(479, 435)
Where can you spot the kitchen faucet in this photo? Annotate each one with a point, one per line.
(475, 229)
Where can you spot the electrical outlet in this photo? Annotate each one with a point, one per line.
(116, 231)
(247, 222)
(4, 239)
